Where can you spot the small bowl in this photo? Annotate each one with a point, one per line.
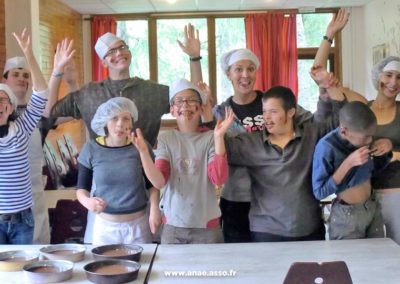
(16, 259)
(128, 252)
(71, 252)
(112, 271)
(48, 271)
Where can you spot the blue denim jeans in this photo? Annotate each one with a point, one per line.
(17, 228)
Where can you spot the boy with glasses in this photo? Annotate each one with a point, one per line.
(150, 97)
(190, 162)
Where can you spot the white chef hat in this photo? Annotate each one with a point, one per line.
(104, 42)
(15, 62)
(181, 85)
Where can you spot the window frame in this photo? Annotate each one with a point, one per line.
(303, 53)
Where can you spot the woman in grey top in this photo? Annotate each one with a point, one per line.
(386, 79)
(114, 164)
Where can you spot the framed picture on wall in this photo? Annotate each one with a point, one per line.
(378, 53)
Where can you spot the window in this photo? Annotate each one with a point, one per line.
(136, 35)
(173, 63)
(310, 29)
(229, 34)
(224, 33)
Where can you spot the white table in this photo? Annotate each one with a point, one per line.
(79, 275)
(369, 261)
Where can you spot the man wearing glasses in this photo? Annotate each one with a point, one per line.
(151, 98)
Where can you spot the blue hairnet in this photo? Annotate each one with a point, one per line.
(110, 109)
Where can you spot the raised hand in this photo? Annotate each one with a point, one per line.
(321, 77)
(64, 54)
(24, 41)
(337, 23)
(222, 126)
(380, 147)
(191, 43)
(138, 140)
(207, 107)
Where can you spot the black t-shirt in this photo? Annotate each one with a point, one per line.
(250, 114)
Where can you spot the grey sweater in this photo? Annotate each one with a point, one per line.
(282, 198)
(118, 175)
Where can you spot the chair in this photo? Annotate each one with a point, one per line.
(333, 272)
(68, 221)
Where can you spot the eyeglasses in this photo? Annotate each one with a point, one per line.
(190, 102)
(113, 51)
(4, 101)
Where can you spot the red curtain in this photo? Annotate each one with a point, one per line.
(272, 37)
(100, 25)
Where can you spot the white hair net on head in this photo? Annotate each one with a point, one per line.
(236, 55)
(109, 109)
(378, 69)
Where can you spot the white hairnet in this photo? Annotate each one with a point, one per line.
(109, 109)
(378, 69)
(236, 55)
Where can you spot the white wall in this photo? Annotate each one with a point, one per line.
(383, 28)
(374, 24)
(353, 51)
(20, 14)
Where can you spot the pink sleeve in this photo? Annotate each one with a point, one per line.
(164, 167)
(218, 170)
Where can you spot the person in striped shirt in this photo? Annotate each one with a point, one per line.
(16, 219)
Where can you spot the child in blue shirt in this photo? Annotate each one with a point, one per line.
(344, 162)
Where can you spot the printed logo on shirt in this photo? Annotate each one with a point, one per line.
(252, 124)
(187, 166)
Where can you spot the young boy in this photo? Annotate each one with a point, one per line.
(344, 162)
(16, 218)
(114, 164)
(190, 162)
(279, 160)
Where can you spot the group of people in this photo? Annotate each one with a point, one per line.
(273, 159)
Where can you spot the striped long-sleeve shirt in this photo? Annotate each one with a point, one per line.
(15, 182)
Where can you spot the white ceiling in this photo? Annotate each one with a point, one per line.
(157, 6)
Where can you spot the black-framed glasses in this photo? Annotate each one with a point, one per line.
(113, 51)
(191, 102)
